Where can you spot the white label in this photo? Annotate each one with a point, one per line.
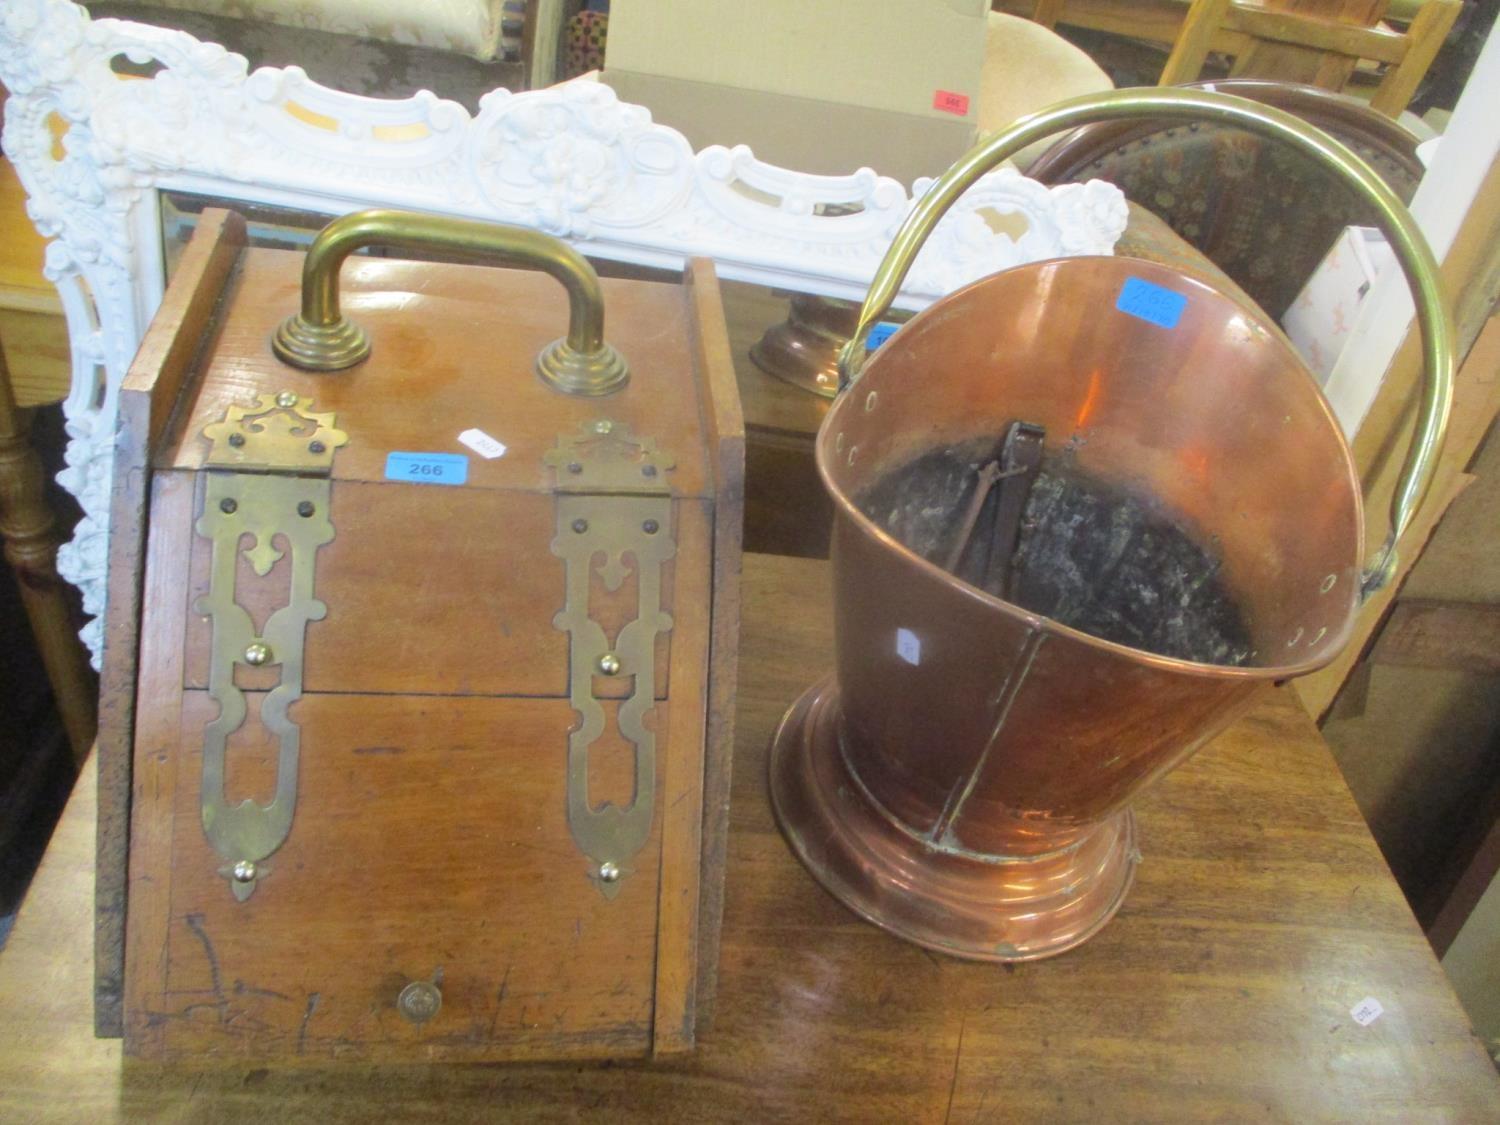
(1367, 1011)
(482, 444)
(908, 646)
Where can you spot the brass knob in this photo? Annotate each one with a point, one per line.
(419, 1001)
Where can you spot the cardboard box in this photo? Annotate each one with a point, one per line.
(822, 88)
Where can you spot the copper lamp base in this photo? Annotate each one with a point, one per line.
(983, 908)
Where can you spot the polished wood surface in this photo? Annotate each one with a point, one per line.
(435, 727)
(1262, 913)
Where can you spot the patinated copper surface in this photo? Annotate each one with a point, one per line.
(965, 779)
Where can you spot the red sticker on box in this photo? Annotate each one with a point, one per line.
(949, 102)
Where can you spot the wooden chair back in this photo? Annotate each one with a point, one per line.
(1314, 42)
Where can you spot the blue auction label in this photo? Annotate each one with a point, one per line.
(1152, 303)
(880, 334)
(427, 468)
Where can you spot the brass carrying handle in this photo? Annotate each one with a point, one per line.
(319, 338)
(1411, 249)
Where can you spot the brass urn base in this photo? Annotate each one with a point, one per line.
(982, 908)
(803, 349)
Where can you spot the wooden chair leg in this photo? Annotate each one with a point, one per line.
(30, 547)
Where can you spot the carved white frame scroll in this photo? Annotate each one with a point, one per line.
(571, 160)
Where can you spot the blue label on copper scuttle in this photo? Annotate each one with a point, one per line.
(880, 334)
(427, 468)
(1152, 303)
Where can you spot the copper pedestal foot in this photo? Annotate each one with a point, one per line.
(983, 908)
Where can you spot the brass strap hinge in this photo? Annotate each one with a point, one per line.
(284, 454)
(613, 502)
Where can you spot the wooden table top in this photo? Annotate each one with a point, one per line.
(1261, 915)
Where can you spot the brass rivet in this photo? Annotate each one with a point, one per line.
(257, 654)
(580, 526)
(305, 509)
(287, 399)
(419, 1001)
(609, 873)
(609, 664)
(316, 447)
(244, 871)
(650, 527)
(603, 426)
(236, 440)
(228, 506)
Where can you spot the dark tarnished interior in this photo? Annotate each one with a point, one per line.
(1090, 555)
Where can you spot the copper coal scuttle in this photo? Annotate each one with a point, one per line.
(1084, 508)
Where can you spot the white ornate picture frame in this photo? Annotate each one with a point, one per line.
(571, 160)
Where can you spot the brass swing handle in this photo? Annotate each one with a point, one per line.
(1411, 249)
(319, 338)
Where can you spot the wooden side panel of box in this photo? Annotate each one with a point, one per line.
(725, 427)
(183, 329)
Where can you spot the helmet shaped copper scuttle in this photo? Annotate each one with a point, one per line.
(1194, 530)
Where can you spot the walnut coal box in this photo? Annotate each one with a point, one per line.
(420, 654)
